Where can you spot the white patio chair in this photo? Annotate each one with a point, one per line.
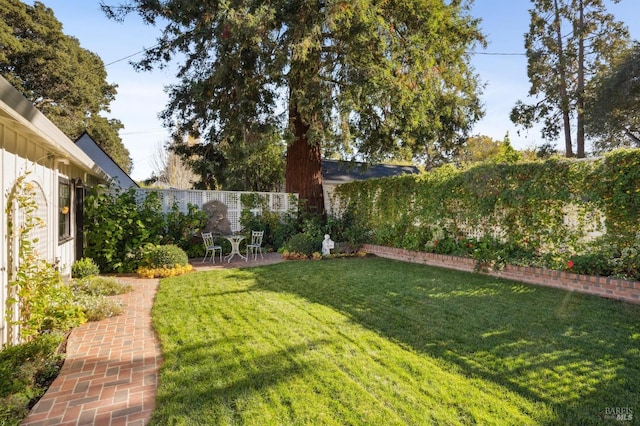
(255, 244)
(210, 247)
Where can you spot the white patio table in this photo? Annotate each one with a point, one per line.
(235, 246)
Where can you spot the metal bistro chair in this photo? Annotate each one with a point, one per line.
(210, 247)
(255, 244)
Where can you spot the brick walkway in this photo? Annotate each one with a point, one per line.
(111, 370)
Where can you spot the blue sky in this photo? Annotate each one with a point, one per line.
(141, 96)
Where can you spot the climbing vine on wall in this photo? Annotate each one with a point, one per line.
(535, 213)
(42, 302)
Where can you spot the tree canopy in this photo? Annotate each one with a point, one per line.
(64, 81)
(614, 111)
(359, 76)
(568, 42)
(484, 149)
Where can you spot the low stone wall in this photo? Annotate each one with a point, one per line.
(612, 288)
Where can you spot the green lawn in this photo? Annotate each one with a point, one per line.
(369, 341)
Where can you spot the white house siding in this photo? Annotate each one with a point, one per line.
(29, 143)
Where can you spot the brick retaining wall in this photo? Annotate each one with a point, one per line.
(612, 288)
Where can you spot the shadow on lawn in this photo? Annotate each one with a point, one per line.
(234, 375)
(579, 354)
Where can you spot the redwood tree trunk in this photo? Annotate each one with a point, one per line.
(303, 171)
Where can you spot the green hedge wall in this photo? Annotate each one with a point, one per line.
(551, 214)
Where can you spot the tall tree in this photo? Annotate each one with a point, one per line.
(254, 162)
(614, 110)
(377, 76)
(567, 43)
(64, 81)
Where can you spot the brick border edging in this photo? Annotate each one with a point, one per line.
(611, 288)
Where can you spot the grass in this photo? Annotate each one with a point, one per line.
(373, 341)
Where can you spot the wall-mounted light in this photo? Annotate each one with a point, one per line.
(61, 160)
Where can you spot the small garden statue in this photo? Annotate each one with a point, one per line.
(327, 245)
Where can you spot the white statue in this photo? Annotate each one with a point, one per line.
(327, 245)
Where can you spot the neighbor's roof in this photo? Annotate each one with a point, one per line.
(336, 172)
(103, 159)
(15, 107)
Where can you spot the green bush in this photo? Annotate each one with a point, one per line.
(277, 227)
(181, 227)
(84, 267)
(591, 264)
(26, 372)
(167, 256)
(119, 226)
(303, 243)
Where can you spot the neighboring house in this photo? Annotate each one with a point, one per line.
(335, 172)
(59, 172)
(118, 176)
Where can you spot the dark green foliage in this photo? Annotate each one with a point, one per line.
(388, 79)
(66, 82)
(118, 227)
(277, 227)
(591, 264)
(182, 227)
(613, 114)
(84, 267)
(304, 244)
(165, 256)
(347, 230)
(26, 371)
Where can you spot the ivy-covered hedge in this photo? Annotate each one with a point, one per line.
(559, 213)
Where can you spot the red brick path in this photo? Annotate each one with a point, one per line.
(111, 369)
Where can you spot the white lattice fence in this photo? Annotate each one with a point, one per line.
(279, 202)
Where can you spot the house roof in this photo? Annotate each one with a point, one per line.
(104, 160)
(337, 172)
(16, 108)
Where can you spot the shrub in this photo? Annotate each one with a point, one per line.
(84, 267)
(167, 256)
(26, 371)
(591, 264)
(119, 226)
(304, 244)
(182, 227)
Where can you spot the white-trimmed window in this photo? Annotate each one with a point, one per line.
(64, 210)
